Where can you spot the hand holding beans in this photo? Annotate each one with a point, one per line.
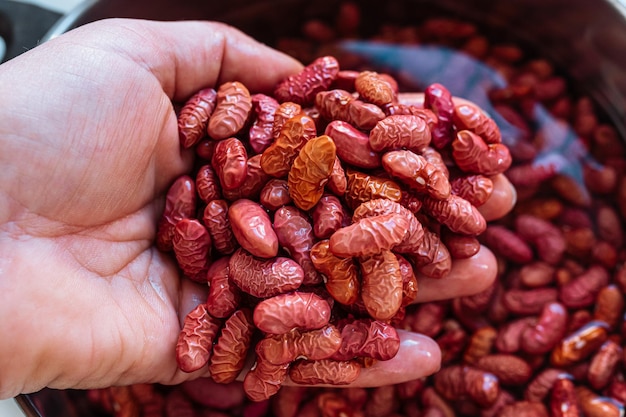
(113, 190)
(324, 233)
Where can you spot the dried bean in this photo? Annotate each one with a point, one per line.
(332, 404)
(193, 118)
(369, 236)
(395, 109)
(310, 171)
(256, 178)
(415, 233)
(509, 336)
(195, 341)
(478, 302)
(432, 258)
(341, 275)
(457, 214)
(252, 228)
(207, 184)
(261, 132)
(353, 146)
(471, 154)
(579, 345)
(205, 149)
(287, 347)
(295, 235)
(430, 398)
(264, 278)
(276, 160)
(582, 290)
(374, 88)
(284, 112)
(509, 369)
(451, 341)
(123, 402)
(543, 336)
(603, 364)
(224, 296)
(435, 158)
(537, 274)
(409, 281)
(215, 218)
(400, 131)
(264, 380)
(439, 100)
(324, 371)
(230, 161)
(327, 216)
(546, 237)
(178, 405)
(609, 226)
(531, 301)
(367, 338)
(296, 310)
(180, 203)
(287, 401)
(301, 88)
(233, 343)
(457, 382)
(504, 398)
(232, 108)
(470, 117)
(381, 286)
(480, 344)
(337, 182)
(593, 405)
(563, 402)
(524, 409)
(382, 402)
(426, 319)
(507, 244)
(609, 306)
(416, 173)
(208, 393)
(341, 105)
(474, 188)
(275, 194)
(192, 247)
(461, 246)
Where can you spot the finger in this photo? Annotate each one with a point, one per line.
(501, 201)
(186, 56)
(417, 357)
(467, 276)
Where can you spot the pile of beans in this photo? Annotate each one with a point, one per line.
(320, 195)
(544, 340)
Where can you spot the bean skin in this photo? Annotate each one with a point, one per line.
(325, 371)
(264, 278)
(381, 289)
(369, 235)
(295, 310)
(252, 228)
(232, 108)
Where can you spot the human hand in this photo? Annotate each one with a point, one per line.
(88, 301)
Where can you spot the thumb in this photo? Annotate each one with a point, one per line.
(186, 56)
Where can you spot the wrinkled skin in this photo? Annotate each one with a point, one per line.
(91, 112)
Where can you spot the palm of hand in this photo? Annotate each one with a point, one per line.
(86, 207)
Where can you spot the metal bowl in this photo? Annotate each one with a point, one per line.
(586, 39)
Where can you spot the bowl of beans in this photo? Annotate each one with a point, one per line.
(313, 212)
